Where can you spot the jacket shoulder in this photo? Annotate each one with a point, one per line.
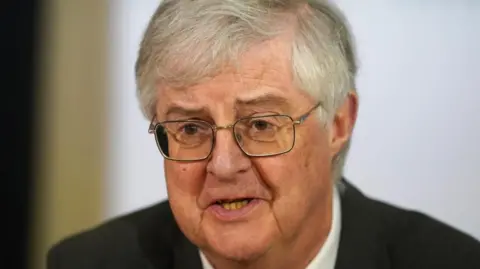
(114, 243)
(418, 240)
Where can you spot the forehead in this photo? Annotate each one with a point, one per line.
(263, 70)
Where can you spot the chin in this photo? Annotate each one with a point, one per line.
(240, 251)
(239, 245)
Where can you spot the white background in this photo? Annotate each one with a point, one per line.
(416, 141)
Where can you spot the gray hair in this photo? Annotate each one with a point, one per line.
(187, 41)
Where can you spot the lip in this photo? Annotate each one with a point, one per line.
(226, 215)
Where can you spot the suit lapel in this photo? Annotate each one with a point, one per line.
(185, 255)
(362, 240)
(163, 244)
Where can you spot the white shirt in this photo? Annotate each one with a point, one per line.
(326, 257)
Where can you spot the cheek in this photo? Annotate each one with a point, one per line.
(299, 180)
(313, 176)
(184, 181)
(184, 178)
(284, 175)
(304, 167)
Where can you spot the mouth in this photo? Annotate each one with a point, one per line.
(234, 210)
(234, 204)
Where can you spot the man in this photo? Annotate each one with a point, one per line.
(253, 104)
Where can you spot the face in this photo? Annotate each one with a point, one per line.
(285, 193)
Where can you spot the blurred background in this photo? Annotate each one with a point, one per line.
(79, 152)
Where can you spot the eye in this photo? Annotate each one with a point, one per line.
(189, 128)
(260, 125)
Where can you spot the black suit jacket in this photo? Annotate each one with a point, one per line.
(374, 235)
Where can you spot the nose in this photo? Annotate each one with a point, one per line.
(227, 159)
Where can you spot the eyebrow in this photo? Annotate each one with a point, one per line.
(266, 99)
(176, 109)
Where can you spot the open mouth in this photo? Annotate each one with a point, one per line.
(234, 204)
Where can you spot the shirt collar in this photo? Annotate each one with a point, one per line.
(326, 257)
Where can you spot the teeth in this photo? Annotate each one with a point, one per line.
(234, 205)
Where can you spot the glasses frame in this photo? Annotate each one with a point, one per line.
(152, 128)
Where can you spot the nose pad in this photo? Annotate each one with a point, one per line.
(239, 138)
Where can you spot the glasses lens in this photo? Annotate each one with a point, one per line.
(184, 140)
(265, 135)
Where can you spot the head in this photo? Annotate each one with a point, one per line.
(216, 76)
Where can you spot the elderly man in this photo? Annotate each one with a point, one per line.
(252, 105)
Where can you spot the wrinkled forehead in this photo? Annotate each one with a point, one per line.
(263, 70)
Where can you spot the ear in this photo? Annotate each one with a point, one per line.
(343, 123)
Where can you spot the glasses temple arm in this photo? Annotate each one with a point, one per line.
(151, 126)
(305, 116)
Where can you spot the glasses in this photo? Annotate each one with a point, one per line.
(257, 136)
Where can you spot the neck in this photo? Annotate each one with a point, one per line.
(295, 253)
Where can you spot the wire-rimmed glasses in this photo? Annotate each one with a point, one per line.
(256, 136)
